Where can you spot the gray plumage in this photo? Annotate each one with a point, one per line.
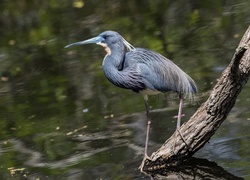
(141, 70)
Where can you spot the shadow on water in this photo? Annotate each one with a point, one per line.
(60, 118)
(196, 168)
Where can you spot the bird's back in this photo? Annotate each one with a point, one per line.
(159, 73)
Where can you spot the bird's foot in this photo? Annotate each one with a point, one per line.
(177, 116)
(143, 162)
(142, 165)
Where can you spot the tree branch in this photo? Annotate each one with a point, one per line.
(209, 116)
(196, 168)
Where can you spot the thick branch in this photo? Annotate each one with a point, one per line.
(207, 119)
(195, 168)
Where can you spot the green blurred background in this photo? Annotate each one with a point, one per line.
(60, 118)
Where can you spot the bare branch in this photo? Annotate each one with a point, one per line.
(208, 118)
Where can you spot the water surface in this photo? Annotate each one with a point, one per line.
(60, 118)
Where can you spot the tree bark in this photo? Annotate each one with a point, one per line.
(193, 135)
(198, 169)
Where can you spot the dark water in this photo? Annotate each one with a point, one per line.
(61, 119)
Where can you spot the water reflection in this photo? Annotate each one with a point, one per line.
(196, 168)
(47, 92)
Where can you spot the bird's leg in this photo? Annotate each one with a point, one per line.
(147, 133)
(179, 121)
(179, 114)
(148, 129)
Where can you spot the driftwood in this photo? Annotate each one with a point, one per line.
(202, 125)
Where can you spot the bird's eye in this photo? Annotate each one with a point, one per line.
(105, 36)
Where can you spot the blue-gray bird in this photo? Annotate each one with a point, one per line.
(141, 70)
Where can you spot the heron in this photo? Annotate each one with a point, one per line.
(141, 70)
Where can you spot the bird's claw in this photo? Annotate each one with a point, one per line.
(143, 162)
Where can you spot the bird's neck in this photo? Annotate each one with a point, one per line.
(114, 57)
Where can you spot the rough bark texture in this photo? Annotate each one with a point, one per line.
(207, 119)
(198, 169)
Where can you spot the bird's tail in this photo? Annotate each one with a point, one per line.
(191, 88)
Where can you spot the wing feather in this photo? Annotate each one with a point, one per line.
(159, 73)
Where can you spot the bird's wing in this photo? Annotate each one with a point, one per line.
(159, 73)
(129, 79)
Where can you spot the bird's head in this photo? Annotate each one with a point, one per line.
(106, 39)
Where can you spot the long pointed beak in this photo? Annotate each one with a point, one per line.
(97, 39)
